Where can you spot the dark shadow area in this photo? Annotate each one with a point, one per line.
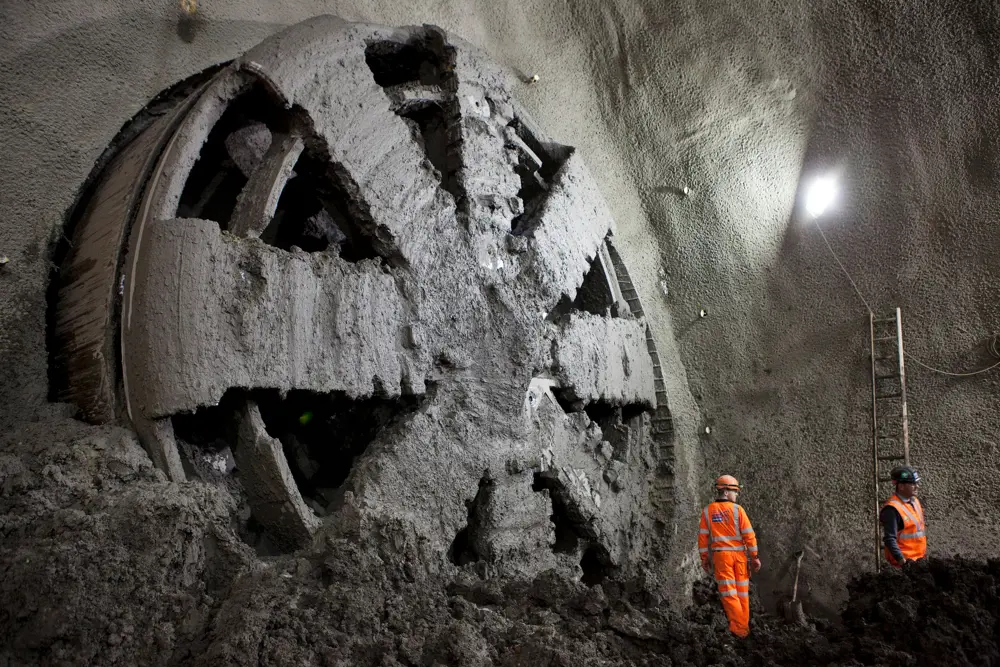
(595, 295)
(440, 141)
(595, 565)
(206, 440)
(537, 166)
(563, 517)
(632, 411)
(604, 413)
(210, 429)
(567, 400)
(235, 145)
(322, 435)
(425, 58)
(419, 79)
(560, 313)
(463, 549)
(573, 531)
(314, 213)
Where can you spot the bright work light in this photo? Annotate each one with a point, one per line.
(820, 195)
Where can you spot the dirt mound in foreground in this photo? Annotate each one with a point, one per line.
(105, 562)
(939, 612)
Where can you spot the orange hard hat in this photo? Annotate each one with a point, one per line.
(727, 483)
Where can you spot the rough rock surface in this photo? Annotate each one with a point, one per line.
(255, 316)
(104, 562)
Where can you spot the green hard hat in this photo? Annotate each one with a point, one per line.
(905, 475)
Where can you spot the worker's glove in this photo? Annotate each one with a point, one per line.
(705, 565)
(755, 565)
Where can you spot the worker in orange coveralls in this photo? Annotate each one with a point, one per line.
(726, 542)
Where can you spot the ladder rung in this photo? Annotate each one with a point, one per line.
(887, 338)
(885, 479)
(887, 396)
(890, 376)
(884, 320)
(891, 457)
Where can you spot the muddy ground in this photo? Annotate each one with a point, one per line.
(104, 562)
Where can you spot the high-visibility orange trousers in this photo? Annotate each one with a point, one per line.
(732, 576)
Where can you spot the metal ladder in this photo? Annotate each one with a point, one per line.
(890, 430)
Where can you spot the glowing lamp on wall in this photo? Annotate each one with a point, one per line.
(820, 195)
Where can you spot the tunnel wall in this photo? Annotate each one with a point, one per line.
(735, 105)
(898, 101)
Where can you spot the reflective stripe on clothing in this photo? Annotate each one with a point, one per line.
(908, 510)
(725, 527)
(911, 539)
(726, 536)
(733, 580)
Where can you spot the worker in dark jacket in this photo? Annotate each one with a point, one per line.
(902, 519)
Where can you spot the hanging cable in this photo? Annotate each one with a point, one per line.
(853, 284)
(909, 357)
(994, 344)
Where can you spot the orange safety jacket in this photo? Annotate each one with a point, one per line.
(911, 540)
(725, 526)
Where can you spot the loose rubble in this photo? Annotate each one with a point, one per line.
(105, 562)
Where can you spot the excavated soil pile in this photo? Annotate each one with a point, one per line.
(105, 562)
(942, 612)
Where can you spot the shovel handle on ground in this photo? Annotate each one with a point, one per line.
(798, 568)
(793, 612)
